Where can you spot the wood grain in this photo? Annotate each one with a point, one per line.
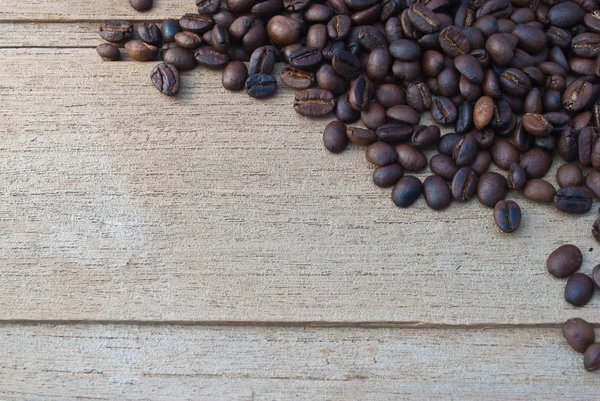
(77, 10)
(74, 362)
(118, 203)
(49, 34)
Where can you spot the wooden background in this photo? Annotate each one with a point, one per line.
(207, 247)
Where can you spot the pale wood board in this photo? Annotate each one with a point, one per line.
(119, 203)
(75, 362)
(50, 34)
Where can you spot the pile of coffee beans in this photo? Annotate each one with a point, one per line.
(517, 81)
(581, 337)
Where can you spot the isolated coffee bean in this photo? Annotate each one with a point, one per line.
(579, 289)
(407, 191)
(108, 52)
(436, 192)
(564, 261)
(539, 190)
(491, 188)
(165, 78)
(573, 200)
(591, 358)
(334, 137)
(579, 334)
(507, 215)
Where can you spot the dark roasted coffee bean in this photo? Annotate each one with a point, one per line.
(220, 38)
(411, 158)
(295, 5)
(443, 111)
(465, 150)
(577, 95)
(573, 200)
(500, 49)
(516, 176)
(483, 112)
(405, 50)
(378, 63)
(393, 133)
(436, 192)
(496, 8)
(235, 75)
(196, 23)
(406, 191)
(389, 95)
(585, 142)
(261, 86)
(360, 93)
(539, 190)
(586, 45)
(536, 124)
(208, 7)
(464, 120)
(108, 52)
(579, 290)
(454, 42)
(433, 63)
(491, 85)
(165, 48)
(491, 188)
(374, 116)
(224, 17)
(596, 275)
(464, 184)
(468, 90)
(515, 82)
(314, 102)
(208, 57)
(329, 80)
(381, 154)
(531, 39)
(239, 6)
(425, 136)
(418, 96)
(592, 180)
(148, 32)
(443, 165)
(570, 175)
(344, 112)
(141, 5)
(346, 64)
(582, 66)
(521, 139)
(448, 142)
(168, 29)
(579, 334)
(564, 261)
(182, 59)
(262, 61)
(116, 30)
(141, 51)
(404, 114)
(334, 137)
(188, 40)
(564, 15)
(485, 138)
(393, 29)
(504, 153)
(297, 79)
(591, 358)
(424, 19)
(370, 38)
(283, 30)
(360, 136)
(507, 215)
(318, 13)
(386, 176)
(165, 78)
(567, 145)
(536, 163)
(533, 101)
(338, 28)
(521, 60)
(559, 37)
(264, 8)
(305, 58)
(448, 82)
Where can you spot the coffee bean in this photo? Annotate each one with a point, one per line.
(344, 112)
(591, 358)
(436, 192)
(404, 114)
(346, 64)
(108, 52)
(381, 154)
(464, 184)
(491, 188)
(516, 176)
(234, 76)
(411, 158)
(465, 150)
(483, 112)
(579, 289)
(182, 59)
(389, 95)
(536, 163)
(360, 136)
(261, 86)
(389, 175)
(504, 153)
(405, 50)
(209, 57)
(116, 30)
(464, 120)
(573, 200)
(188, 40)
(515, 82)
(536, 124)
(469, 67)
(334, 137)
(141, 51)
(283, 30)
(539, 190)
(454, 42)
(220, 39)
(507, 215)
(168, 29)
(577, 95)
(329, 80)
(564, 261)
(448, 142)
(378, 63)
(531, 39)
(148, 32)
(418, 96)
(318, 13)
(207, 7)
(425, 136)
(393, 132)
(297, 79)
(374, 117)
(570, 175)
(407, 191)
(360, 93)
(586, 44)
(314, 102)
(305, 58)
(596, 275)
(196, 23)
(443, 110)
(141, 5)
(165, 78)
(424, 19)
(592, 181)
(585, 142)
(500, 49)
(443, 165)
(579, 334)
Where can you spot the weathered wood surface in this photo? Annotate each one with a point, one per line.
(121, 204)
(74, 362)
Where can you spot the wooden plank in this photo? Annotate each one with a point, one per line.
(49, 34)
(70, 10)
(246, 363)
(118, 203)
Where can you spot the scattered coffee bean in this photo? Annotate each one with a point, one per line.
(491, 188)
(573, 200)
(436, 192)
(314, 102)
(141, 5)
(411, 158)
(564, 261)
(591, 358)
(579, 289)
(235, 75)
(180, 58)
(507, 215)
(334, 137)
(386, 176)
(261, 86)
(361, 136)
(108, 52)
(579, 334)
(407, 191)
(116, 30)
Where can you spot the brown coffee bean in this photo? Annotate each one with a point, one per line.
(573, 200)
(591, 358)
(454, 42)
(297, 79)
(196, 23)
(374, 117)
(283, 30)
(116, 30)
(381, 154)
(538, 190)
(389, 95)
(507, 216)
(443, 165)
(378, 63)
(585, 142)
(536, 163)
(443, 110)
(407, 191)
(436, 192)
(360, 136)
(141, 5)
(464, 184)
(577, 95)
(418, 96)
(536, 124)
(425, 136)
(314, 102)
(360, 93)
(504, 153)
(465, 150)
(411, 158)
(570, 175)
(141, 51)
(393, 132)
(500, 48)
(592, 181)
(483, 112)
(491, 188)
(516, 176)
(389, 175)
(579, 334)
(182, 59)
(329, 80)
(579, 289)
(334, 137)
(108, 52)
(404, 114)
(165, 78)
(564, 261)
